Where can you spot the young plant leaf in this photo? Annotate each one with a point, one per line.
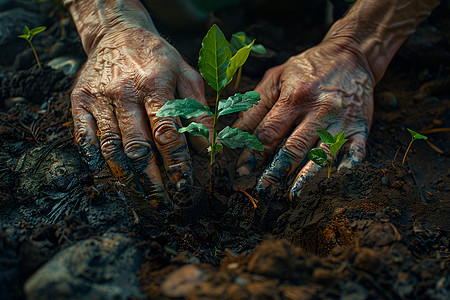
(37, 30)
(319, 156)
(236, 138)
(339, 136)
(416, 135)
(24, 36)
(238, 60)
(259, 49)
(326, 137)
(334, 148)
(214, 58)
(196, 129)
(26, 30)
(238, 102)
(186, 108)
(240, 39)
(218, 147)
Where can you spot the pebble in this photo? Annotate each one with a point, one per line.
(69, 65)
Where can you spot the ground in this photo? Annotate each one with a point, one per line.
(68, 229)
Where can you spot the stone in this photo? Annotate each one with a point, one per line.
(103, 268)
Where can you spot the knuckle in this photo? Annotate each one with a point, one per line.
(139, 151)
(111, 144)
(297, 146)
(166, 133)
(269, 135)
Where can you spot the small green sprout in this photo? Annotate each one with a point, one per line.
(217, 66)
(28, 36)
(319, 156)
(239, 40)
(414, 136)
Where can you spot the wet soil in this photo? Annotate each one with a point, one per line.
(380, 230)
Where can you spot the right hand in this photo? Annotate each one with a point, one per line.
(129, 75)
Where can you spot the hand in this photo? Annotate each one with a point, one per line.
(128, 76)
(327, 87)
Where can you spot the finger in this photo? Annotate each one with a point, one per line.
(170, 143)
(269, 90)
(85, 128)
(290, 156)
(137, 144)
(111, 145)
(270, 132)
(306, 173)
(190, 85)
(354, 151)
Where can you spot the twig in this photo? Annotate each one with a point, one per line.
(253, 200)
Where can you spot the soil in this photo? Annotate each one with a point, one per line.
(380, 230)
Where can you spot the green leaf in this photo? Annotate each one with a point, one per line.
(238, 60)
(238, 102)
(186, 108)
(218, 147)
(214, 58)
(339, 136)
(416, 135)
(326, 137)
(196, 129)
(259, 49)
(237, 41)
(24, 36)
(236, 138)
(26, 30)
(319, 156)
(334, 148)
(37, 30)
(240, 39)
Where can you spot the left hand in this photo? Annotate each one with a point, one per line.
(330, 87)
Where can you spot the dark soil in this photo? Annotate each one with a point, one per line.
(380, 230)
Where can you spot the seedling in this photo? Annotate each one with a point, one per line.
(28, 36)
(217, 66)
(319, 156)
(239, 40)
(414, 136)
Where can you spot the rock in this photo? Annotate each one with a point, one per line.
(181, 281)
(69, 65)
(102, 268)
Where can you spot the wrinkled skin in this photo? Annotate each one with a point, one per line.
(330, 87)
(114, 103)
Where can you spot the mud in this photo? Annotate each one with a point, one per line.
(380, 230)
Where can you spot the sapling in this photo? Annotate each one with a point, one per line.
(414, 136)
(217, 66)
(319, 156)
(28, 36)
(239, 40)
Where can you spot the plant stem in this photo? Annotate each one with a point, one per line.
(213, 151)
(35, 54)
(406, 153)
(329, 167)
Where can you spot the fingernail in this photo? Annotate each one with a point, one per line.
(297, 189)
